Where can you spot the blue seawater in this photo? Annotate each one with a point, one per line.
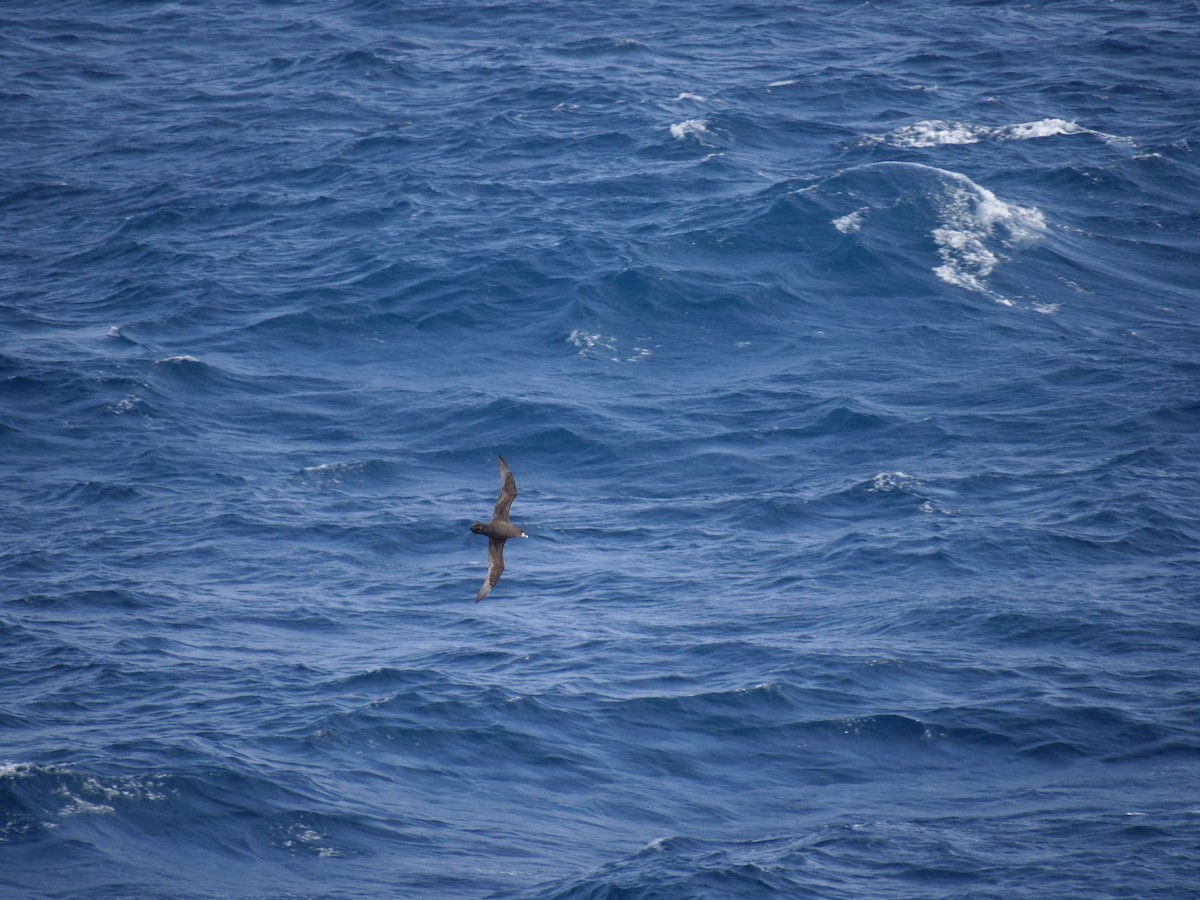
(847, 356)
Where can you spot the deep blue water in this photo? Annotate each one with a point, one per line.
(847, 356)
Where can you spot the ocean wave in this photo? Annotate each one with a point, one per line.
(971, 218)
(39, 796)
(972, 229)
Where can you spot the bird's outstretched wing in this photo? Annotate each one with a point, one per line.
(495, 566)
(508, 493)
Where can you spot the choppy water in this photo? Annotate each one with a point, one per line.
(847, 357)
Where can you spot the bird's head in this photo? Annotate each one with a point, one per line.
(477, 527)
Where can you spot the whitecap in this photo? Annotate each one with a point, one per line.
(851, 222)
(940, 133)
(78, 807)
(24, 770)
(1042, 128)
(695, 98)
(303, 834)
(128, 404)
(322, 469)
(892, 481)
(601, 346)
(970, 218)
(689, 128)
(586, 341)
(934, 133)
(126, 787)
(971, 224)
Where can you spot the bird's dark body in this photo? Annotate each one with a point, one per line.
(502, 530)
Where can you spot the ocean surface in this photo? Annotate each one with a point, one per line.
(847, 357)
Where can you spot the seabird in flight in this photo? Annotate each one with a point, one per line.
(498, 530)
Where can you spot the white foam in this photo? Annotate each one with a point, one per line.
(695, 98)
(78, 807)
(23, 770)
(599, 346)
(586, 341)
(939, 133)
(786, 83)
(933, 134)
(892, 481)
(127, 787)
(303, 834)
(971, 217)
(1042, 128)
(132, 402)
(689, 128)
(327, 474)
(322, 469)
(972, 225)
(851, 222)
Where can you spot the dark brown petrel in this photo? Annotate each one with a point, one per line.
(499, 529)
